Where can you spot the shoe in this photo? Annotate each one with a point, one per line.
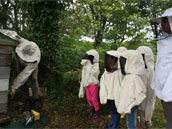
(96, 118)
(108, 125)
(115, 119)
(92, 111)
(36, 105)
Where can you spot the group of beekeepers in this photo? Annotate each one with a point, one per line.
(129, 84)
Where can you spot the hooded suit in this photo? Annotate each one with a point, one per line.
(147, 106)
(133, 91)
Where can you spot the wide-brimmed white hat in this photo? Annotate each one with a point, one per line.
(28, 51)
(167, 13)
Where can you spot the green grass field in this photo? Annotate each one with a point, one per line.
(68, 111)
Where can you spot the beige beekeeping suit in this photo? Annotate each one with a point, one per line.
(110, 83)
(90, 72)
(147, 106)
(133, 91)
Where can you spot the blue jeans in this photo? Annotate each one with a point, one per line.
(131, 118)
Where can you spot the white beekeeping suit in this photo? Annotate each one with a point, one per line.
(133, 91)
(162, 83)
(110, 82)
(28, 56)
(147, 106)
(90, 72)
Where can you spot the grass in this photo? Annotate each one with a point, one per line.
(66, 110)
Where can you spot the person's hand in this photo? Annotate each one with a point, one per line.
(148, 124)
(80, 96)
(103, 100)
(12, 92)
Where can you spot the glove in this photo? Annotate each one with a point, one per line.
(148, 124)
(12, 92)
(122, 116)
(85, 61)
(103, 100)
(80, 96)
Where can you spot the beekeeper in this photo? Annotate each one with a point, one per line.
(28, 57)
(133, 91)
(147, 106)
(162, 83)
(110, 86)
(90, 81)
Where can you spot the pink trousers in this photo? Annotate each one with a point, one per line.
(92, 96)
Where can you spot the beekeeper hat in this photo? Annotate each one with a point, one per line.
(28, 51)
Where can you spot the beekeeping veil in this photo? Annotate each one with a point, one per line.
(156, 25)
(122, 61)
(89, 57)
(133, 89)
(27, 50)
(134, 62)
(111, 60)
(122, 49)
(148, 55)
(93, 55)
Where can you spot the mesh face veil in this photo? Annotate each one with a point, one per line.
(111, 63)
(143, 55)
(122, 61)
(89, 57)
(162, 26)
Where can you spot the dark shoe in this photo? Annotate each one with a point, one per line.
(108, 125)
(96, 118)
(92, 111)
(115, 119)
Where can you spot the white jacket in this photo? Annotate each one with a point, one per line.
(148, 104)
(110, 83)
(90, 72)
(133, 91)
(162, 83)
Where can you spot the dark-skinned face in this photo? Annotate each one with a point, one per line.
(89, 57)
(111, 63)
(165, 25)
(122, 61)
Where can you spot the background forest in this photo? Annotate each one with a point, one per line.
(61, 28)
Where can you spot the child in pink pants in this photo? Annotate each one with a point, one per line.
(89, 82)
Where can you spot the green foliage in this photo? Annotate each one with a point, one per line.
(57, 25)
(43, 21)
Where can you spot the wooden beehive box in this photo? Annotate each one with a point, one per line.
(6, 46)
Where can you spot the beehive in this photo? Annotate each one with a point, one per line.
(6, 46)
